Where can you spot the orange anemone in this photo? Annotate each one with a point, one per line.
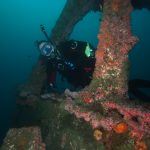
(121, 128)
(97, 134)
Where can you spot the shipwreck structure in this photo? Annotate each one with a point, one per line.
(102, 109)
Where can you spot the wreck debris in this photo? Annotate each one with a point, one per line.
(23, 139)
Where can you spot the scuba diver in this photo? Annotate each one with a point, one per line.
(74, 60)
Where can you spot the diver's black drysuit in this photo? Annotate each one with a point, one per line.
(72, 63)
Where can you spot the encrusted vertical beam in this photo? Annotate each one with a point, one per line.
(115, 41)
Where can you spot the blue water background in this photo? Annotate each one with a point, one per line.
(19, 28)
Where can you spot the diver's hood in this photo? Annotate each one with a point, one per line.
(46, 48)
